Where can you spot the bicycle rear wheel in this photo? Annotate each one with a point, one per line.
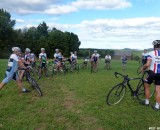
(49, 71)
(116, 94)
(141, 92)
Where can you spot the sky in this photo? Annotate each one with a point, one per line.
(102, 24)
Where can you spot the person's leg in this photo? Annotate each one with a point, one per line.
(2, 84)
(157, 96)
(147, 93)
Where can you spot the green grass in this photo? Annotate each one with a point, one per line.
(74, 102)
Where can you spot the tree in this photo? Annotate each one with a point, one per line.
(6, 30)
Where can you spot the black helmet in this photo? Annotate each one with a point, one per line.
(156, 43)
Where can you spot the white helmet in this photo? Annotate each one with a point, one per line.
(16, 49)
(27, 50)
(56, 50)
(42, 49)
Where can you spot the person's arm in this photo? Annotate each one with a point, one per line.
(147, 65)
(20, 63)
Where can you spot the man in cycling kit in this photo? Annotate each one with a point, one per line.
(11, 72)
(95, 60)
(73, 58)
(33, 60)
(27, 57)
(153, 63)
(124, 61)
(43, 60)
(57, 60)
(108, 60)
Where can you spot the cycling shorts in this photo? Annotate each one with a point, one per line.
(43, 65)
(153, 77)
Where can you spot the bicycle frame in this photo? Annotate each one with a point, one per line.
(126, 82)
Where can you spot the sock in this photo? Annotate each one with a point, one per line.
(146, 101)
(23, 89)
(157, 105)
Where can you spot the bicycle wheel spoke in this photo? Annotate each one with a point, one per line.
(116, 94)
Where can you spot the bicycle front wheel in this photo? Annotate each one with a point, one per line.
(116, 94)
(36, 87)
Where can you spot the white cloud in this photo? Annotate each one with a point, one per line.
(135, 33)
(55, 7)
(101, 4)
(63, 9)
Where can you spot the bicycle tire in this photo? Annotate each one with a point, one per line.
(141, 92)
(36, 87)
(120, 91)
(138, 69)
(49, 71)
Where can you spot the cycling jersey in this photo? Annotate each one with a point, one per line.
(95, 57)
(32, 56)
(107, 57)
(73, 57)
(43, 57)
(124, 59)
(155, 64)
(27, 57)
(11, 72)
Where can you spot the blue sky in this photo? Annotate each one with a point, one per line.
(107, 24)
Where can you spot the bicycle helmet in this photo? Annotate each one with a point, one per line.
(16, 49)
(27, 50)
(156, 43)
(42, 49)
(56, 50)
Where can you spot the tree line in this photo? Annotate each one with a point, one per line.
(34, 38)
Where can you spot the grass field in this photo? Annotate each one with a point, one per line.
(75, 102)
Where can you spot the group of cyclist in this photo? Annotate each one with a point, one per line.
(151, 62)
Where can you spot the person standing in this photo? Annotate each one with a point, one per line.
(108, 61)
(153, 63)
(43, 60)
(11, 72)
(124, 61)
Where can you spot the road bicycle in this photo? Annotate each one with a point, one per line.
(94, 66)
(117, 93)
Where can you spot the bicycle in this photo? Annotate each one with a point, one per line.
(117, 93)
(139, 67)
(32, 81)
(74, 66)
(93, 66)
(33, 72)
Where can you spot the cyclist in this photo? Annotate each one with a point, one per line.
(27, 57)
(33, 60)
(57, 58)
(85, 62)
(124, 61)
(153, 63)
(11, 72)
(43, 60)
(108, 60)
(95, 60)
(73, 58)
